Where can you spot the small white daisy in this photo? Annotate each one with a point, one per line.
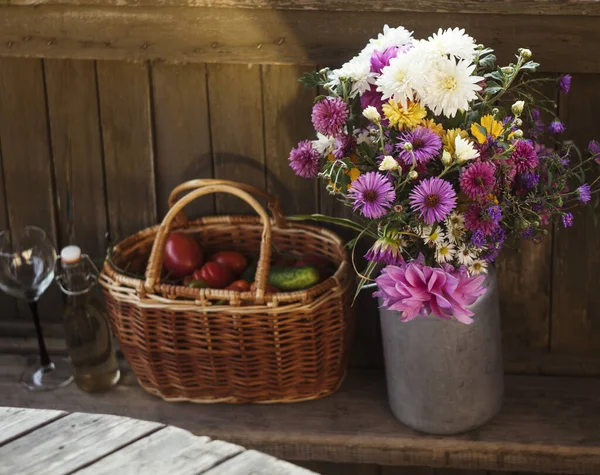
(363, 136)
(445, 252)
(455, 219)
(456, 234)
(466, 255)
(464, 150)
(432, 237)
(479, 266)
(450, 86)
(324, 144)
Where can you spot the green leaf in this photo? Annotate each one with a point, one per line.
(497, 75)
(492, 90)
(371, 266)
(530, 66)
(312, 79)
(488, 61)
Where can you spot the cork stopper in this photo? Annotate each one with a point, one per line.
(70, 255)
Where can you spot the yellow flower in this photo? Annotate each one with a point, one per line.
(492, 127)
(431, 124)
(353, 173)
(330, 157)
(449, 139)
(403, 118)
(333, 187)
(491, 197)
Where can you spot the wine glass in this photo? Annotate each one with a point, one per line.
(27, 260)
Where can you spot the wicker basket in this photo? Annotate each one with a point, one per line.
(186, 344)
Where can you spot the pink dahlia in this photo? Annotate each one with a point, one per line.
(478, 180)
(416, 289)
(373, 194)
(329, 116)
(434, 198)
(304, 160)
(524, 157)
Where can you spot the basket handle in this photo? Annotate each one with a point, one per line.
(153, 269)
(273, 203)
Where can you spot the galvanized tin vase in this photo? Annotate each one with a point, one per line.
(445, 377)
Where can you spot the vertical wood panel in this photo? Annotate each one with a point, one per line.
(236, 124)
(575, 295)
(75, 131)
(124, 96)
(287, 108)
(181, 118)
(26, 156)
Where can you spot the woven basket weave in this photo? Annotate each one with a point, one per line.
(186, 344)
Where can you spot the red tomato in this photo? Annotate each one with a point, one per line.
(284, 262)
(182, 254)
(269, 289)
(239, 285)
(214, 274)
(234, 260)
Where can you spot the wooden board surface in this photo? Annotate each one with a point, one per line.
(269, 36)
(236, 120)
(181, 118)
(70, 443)
(547, 424)
(75, 132)
(14, 422)
(576, 273)
(124, 95)
(256, 463)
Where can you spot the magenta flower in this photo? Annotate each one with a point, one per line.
(478, 180)
(304, 160)
(479, 218)
(329, 116)
(372, 98)
(565, 83)
(373, 194)
(584, 193)
(524, 157)
(380, 59)
(434, 198)
(386, 250)
(344, 146)
(425, 143)
(416, 289)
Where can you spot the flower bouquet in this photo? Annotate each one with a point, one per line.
(443, 156)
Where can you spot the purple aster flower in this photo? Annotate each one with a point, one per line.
(495, 214)
(478, 238)
(373, 195)
(584, 192)
(387, 250)
(477, 180)
(567, 220)
(524, 157)
(556, 127)
(594, 148)
(478, 217)
(565, 83)
(381, 59)
(434, 198)
(527, 233)
(344, 146)
(535, 114)
(304, 160)
(426, 144)
(329, 116)
(530, 180)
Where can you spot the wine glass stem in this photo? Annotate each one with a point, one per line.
(44, 356)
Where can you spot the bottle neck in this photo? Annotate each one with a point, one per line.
(77, 279)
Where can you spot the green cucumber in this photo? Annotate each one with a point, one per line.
(293, 278)
(198, 284)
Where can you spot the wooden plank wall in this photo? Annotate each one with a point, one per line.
(91, 149)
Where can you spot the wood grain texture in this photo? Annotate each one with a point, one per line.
(547, 424)
(236, 124)
(15, 422)
(269, 36)
(71, 443)
(256, 463)
(526, 7)
(576, 272)
(181, 118)
(124, 96)
(169, 450)
(329, 468)
(287, 108)
(75, 131)
(27, 160)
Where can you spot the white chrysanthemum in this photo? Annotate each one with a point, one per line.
(479, 266)
(324, 144)
(358, 69)
(399, 36)
(450, 86)
(466, 255)
(399, 80)
(454, 42)
(432, 237)
(464, 150)
(445, 252)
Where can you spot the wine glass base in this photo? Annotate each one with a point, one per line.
(56, 375)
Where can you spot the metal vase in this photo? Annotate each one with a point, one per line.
(445, 377)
